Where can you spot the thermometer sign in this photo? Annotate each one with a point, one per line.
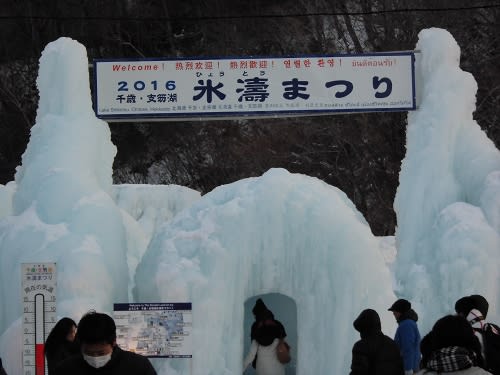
(39, 313)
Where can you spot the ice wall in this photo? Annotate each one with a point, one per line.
(63, 208)
(278, 233)
(448, 199)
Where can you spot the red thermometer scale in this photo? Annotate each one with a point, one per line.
(39, 308)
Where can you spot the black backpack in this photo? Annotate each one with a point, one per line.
(491, 341)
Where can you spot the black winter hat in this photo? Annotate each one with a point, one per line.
(475, 301)
(480, 303)
(401, 306)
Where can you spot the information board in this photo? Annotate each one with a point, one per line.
(39, 313)
(266, 87)
(155, 329)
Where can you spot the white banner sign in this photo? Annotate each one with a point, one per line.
(268, 87)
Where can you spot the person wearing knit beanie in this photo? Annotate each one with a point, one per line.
(475, 301)
(474, 309)
(480, 303)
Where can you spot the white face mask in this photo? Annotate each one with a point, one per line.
(97, 362)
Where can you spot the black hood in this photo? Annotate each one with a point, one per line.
(261, 312)
(410, 314)
(368, 323)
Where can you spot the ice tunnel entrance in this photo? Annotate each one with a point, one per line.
(285, 310)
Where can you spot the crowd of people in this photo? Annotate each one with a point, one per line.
(461, 344)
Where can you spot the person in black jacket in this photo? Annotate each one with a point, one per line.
(375, 353)
(60, 343)
(451, 347)
(265, 328)
(99, 353)
(2, 371)
(266, 333)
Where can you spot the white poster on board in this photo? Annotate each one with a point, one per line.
(155, 329)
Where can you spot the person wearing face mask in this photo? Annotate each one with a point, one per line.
(96, 336)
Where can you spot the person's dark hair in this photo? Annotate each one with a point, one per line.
(464, 305)
(96, 328)
(452, 330)
(261, 312)
(58, 334)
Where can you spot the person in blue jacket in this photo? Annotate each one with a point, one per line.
(407, 335)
